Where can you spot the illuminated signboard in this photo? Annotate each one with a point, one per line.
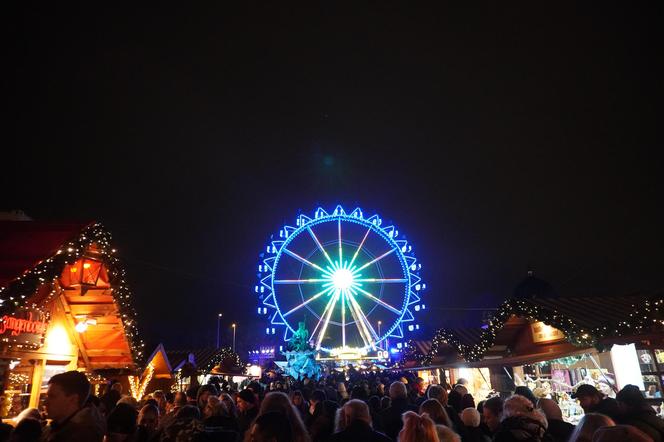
(543, 333)
(26, 327)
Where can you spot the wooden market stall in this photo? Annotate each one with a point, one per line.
(559, 343)
(64, 305)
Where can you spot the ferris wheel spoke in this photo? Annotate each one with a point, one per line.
(313, 298)
(378, 300)
(341, 261)
(306, 261)
(369, 331)
(382, 280)
(375, 260)
(359, 248)
(359, 325)
(334, 299)
(320, 246)
(299, 281)
(343, 318)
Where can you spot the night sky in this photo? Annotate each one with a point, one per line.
(496, 138)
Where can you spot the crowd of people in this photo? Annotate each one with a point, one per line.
(352, 406)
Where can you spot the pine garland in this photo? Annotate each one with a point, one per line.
(642, 318)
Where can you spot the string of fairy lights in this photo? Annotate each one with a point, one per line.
(226, 358)
(138, 386)
(18, 293)
(641, 319)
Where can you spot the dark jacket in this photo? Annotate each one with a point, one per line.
(457, 423)
(359, 431)
(321, 424)
(645, 420)
(474, 434)
(83, 426)
(559, 431)
(244, 420)
(390, 418)
(220, 422)
(608, 407)
(521, 428)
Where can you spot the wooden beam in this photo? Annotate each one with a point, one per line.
(90, 299)
(35, 389)
(108, 352)
(73, 332)
(93, 309)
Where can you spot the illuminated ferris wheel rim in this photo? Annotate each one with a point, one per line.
(362, 222)
(340, 279)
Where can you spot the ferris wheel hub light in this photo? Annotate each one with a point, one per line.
(342, 279)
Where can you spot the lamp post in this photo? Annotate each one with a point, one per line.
(233, 337)
(218, 326)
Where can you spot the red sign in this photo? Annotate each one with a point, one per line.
(19, 325)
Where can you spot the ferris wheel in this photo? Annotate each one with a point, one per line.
(352, 281)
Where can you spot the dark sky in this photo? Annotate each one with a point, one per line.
(496, 138)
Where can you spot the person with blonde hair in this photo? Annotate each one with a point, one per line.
(587, 426)
(418, 428)
(436, 412)
(446, 434)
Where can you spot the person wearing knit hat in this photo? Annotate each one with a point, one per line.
(247, 395)
(636, 411)
(247, 410)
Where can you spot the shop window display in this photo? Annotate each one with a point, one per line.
(651, 363)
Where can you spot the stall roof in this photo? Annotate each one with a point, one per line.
(33, 256)
(23, 244)
(202, 356)
(593, 312)
(585, 321)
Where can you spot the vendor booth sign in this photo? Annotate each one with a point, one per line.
(543, 333)
(26, 327)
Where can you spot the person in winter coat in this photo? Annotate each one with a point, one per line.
(588, 425)
(471, 421)
(439, 393)
(635, 410)
(391, 422)
(66, 406)
(521, 422)
(593, 401)
(321, 423)
(557, 428)
(354, 424)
